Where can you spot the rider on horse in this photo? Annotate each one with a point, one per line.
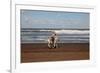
(52, 41)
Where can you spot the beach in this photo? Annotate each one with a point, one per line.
(39, 52)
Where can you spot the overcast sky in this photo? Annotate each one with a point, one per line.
(53, 19)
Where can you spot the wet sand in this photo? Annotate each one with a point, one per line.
(39, 52)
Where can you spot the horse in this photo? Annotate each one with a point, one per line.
(52, 41)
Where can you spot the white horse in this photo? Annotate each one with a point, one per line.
(52, 43)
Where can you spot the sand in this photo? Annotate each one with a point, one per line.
(39, 52)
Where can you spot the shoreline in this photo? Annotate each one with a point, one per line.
(39, 52)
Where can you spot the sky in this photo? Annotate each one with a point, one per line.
(53, 19)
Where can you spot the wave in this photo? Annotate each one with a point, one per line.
(41, 36)
(72, 31)
(61, 31)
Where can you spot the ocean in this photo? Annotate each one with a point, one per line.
(64, 36)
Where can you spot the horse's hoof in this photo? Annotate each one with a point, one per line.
(49, 47)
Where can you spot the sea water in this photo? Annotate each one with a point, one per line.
(64, 36)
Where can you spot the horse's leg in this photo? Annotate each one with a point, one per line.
(48, 45)
(54, 44)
